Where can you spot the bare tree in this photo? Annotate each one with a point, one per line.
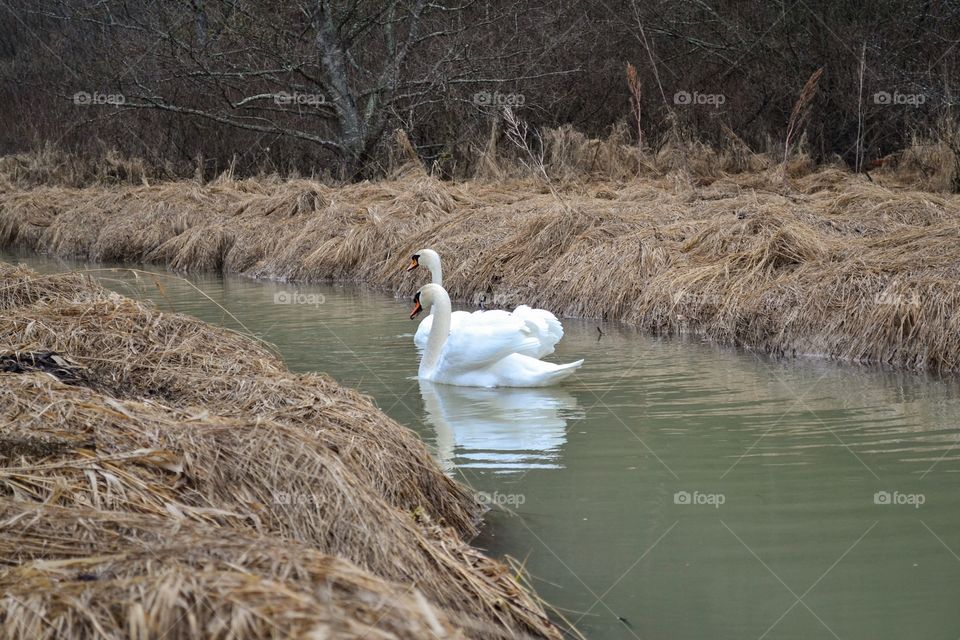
(330, 73)
(302, 84)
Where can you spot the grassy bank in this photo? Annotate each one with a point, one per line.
(165, 477)
(827, 263)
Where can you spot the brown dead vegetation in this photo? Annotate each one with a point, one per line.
(734, 247)
(162, 475)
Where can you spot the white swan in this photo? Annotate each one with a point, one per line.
(483, 351)
(545, 327)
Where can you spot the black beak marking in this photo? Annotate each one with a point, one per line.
(417, 308)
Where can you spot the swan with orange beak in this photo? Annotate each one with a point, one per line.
(544, 325)
(483, 351)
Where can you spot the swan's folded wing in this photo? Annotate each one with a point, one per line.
(484, 339)
(484, 314)
(545, 325)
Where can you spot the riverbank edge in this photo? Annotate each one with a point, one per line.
(828, 264)
(148, 421)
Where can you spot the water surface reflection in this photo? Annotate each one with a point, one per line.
(498, 429)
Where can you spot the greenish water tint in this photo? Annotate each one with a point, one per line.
(673, 489)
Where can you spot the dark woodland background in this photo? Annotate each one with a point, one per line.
(320, 87)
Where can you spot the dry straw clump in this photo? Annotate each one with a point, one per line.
(181, 478)
(121, 574)
(932, 162)
(780, 259)
(49, 164)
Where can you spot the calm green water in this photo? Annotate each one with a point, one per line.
(673, 489)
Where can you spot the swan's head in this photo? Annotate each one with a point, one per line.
(426, 257)
(425, 297)
(417, 307)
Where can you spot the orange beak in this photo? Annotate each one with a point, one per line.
(416, 310)
(413, 264)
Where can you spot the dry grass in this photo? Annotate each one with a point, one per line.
(801, 111)
(930, 162)
(128, 575)
(827, 264)
(181, 478)
(49, 165)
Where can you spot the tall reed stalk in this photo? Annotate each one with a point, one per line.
(800, 113)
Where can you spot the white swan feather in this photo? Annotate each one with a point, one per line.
(485, 350)
(543, 325)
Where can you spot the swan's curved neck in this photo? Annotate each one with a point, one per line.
(439, 331)
(436, 273)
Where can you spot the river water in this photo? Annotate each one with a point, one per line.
(673, 489)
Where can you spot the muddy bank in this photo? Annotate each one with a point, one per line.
(165, 476)
(826, 264)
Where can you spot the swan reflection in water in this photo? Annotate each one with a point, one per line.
(502, 429)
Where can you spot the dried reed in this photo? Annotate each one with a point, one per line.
(800, 112)
(835, 266)
(160, 472)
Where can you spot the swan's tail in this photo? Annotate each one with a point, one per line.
(561, 372)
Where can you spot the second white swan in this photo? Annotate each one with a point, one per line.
(543, 325)
(482, 352)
